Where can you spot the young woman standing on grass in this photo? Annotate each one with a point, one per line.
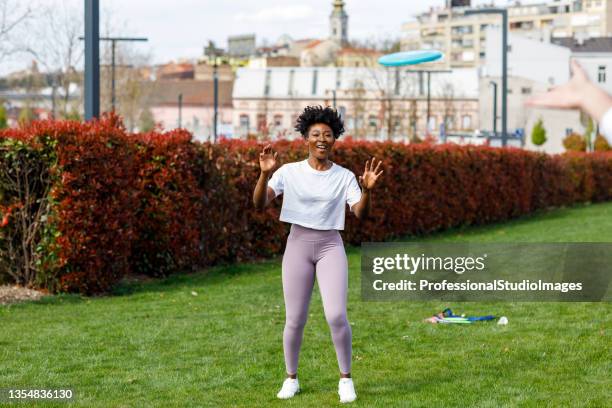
(315, 193)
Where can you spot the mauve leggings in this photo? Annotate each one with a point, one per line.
(311, 252)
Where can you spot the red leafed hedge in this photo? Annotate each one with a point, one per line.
(157, 203)
(170, 197)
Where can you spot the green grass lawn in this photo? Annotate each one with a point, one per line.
(158, 345)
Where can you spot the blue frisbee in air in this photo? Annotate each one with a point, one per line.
(409, 58)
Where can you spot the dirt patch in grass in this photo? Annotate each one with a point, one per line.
(16, 293)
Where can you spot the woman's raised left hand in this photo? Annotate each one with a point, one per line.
(370, 174)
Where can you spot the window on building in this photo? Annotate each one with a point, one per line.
(432, 123)
(267, 83)
(525, 90)
(372, 125)
(397, 125)
(342, 111)
(462, 29)
(315, 77)
(449, 121)
(244, 123)
(421, 83)
(601, 74)
(350, 122)
(466, 122)
(358, 123)
(278, 120)
(291, 80)
(261, 122)
(467, 56)
(397, 82)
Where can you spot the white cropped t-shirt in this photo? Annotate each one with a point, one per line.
(312, 198)
(605, 125)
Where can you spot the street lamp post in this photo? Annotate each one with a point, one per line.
(180, 110)
(504, 101)
(216, 99)
(114, 41)
(92, 59)
(212, 54)
(494, 107)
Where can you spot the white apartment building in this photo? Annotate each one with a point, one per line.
(594, 55)
(539, 61)
(462, 38)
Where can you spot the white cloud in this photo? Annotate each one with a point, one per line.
(277, 14)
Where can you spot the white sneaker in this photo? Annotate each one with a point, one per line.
(346, 390)
(291, 386)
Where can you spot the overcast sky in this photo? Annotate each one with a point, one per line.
(180, 28)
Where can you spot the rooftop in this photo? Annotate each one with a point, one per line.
(166, 92)
(596, 44)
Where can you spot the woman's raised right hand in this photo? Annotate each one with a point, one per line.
(267, 159)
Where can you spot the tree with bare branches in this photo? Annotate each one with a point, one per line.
(55, 44)
(13, 15)
(449, 108)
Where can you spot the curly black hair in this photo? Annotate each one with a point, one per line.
(320, 114)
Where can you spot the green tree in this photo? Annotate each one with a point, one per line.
(3, 119)
(574, 142)
(538, 133)
(601, 144)
(146, 122)
(26, 115)
(588, 134)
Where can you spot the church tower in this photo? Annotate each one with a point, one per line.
(338, 22)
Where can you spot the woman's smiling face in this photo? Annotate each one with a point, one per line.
(320, 140)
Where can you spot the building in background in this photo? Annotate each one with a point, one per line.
(241, 46)
(462, 38)
(538, 60)
(556, 122)
(338, 24)
(204, 71)
(595, 56)
(320, 53)
(534, 65)
(197, 106)
(179, 70)
(282, 61)
(357, 57)
(376, 104)
(296, 47)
